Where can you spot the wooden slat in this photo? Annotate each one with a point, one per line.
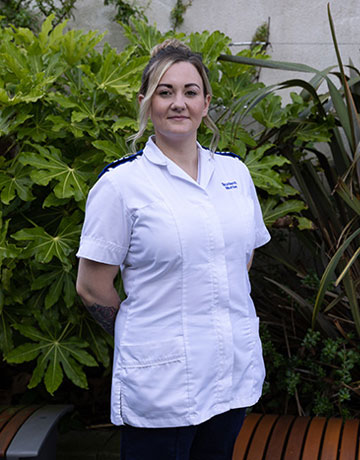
(349, 439)
(296, 438)
(313, 439)
(278, 438)
(6, 414)
(261, 437)
(273, 437)
(331, 442)
(11, 427)
(245, 435)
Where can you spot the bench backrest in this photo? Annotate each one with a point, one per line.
(11, 419)
(286, 437)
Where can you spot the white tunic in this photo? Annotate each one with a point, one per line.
(187, 345)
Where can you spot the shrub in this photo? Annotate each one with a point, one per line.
(66, 110)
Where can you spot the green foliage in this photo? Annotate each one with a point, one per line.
(66, 111)
(320, 136)
(315, 279)
(319, 377)
(58, 96)
(28, 13)
(126, 10)
(261, 35)
(177, 13)
(55, 352)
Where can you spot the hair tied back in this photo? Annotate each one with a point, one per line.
(169, 42)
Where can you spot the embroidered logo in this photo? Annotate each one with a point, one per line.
(229, 185)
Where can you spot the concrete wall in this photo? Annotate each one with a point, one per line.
(299, 30)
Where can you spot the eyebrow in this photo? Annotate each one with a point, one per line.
(186, 86)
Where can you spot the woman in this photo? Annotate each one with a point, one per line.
(181, 222)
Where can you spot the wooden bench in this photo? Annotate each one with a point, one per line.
(30, 431)
(286, 437)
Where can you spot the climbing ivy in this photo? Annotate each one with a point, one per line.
(29, 13)
(177, 13)
(125, 10)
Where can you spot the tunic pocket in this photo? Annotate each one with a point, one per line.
(154, 382)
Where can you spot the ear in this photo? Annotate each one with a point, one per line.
(140, 98)
(207, 104)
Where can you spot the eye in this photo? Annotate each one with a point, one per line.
(164, 92)
(191, 93)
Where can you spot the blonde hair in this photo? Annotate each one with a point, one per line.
(163, 56)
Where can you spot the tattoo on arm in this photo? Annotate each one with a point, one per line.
(105, 316)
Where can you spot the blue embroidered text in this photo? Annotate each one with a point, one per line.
(230, 185)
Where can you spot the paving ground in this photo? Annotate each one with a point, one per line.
(100, 444)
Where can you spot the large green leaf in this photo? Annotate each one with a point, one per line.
(346, 269)
(305, 304)
(341, 109)
(73, 371)
(348, 196)
(15, 181)
(112, 150)
(6, 339)
(75, 45)
(269, 112)
(353, 121)
(54, 354)
(210, 45)
(121, 73)
(124, 122)
(262, 172)
(7, 250)
(58, 281)
(328, 275)
(97, 339)
(11, 119)
(273, 210)
(353, 299)
(43, 246)
(142, 35)
(48, 166)
(279, 65)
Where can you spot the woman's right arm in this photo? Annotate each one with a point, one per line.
(95, 286)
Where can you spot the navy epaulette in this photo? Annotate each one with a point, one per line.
(120, 161)
(229, 154)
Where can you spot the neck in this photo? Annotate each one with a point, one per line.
(182, 152)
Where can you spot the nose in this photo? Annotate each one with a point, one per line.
(178, 102)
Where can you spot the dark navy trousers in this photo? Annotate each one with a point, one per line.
(211, 440)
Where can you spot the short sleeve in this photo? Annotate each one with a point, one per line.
(106, 230)
(262, 235)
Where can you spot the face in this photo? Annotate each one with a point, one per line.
(178, 104)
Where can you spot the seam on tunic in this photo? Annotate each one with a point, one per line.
(120, 161)
(179, 359)
(215, 299)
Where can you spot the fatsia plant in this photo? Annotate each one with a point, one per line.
(320, 135)
(66, 110)
(58, 96)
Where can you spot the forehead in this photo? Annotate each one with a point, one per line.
(181, 73)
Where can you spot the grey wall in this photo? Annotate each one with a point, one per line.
(299, 30)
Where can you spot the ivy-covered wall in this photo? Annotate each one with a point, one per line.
(299, 31)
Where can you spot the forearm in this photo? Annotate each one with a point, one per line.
(96, 289)
(103, 308)
(104, 315)
(248, 266)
